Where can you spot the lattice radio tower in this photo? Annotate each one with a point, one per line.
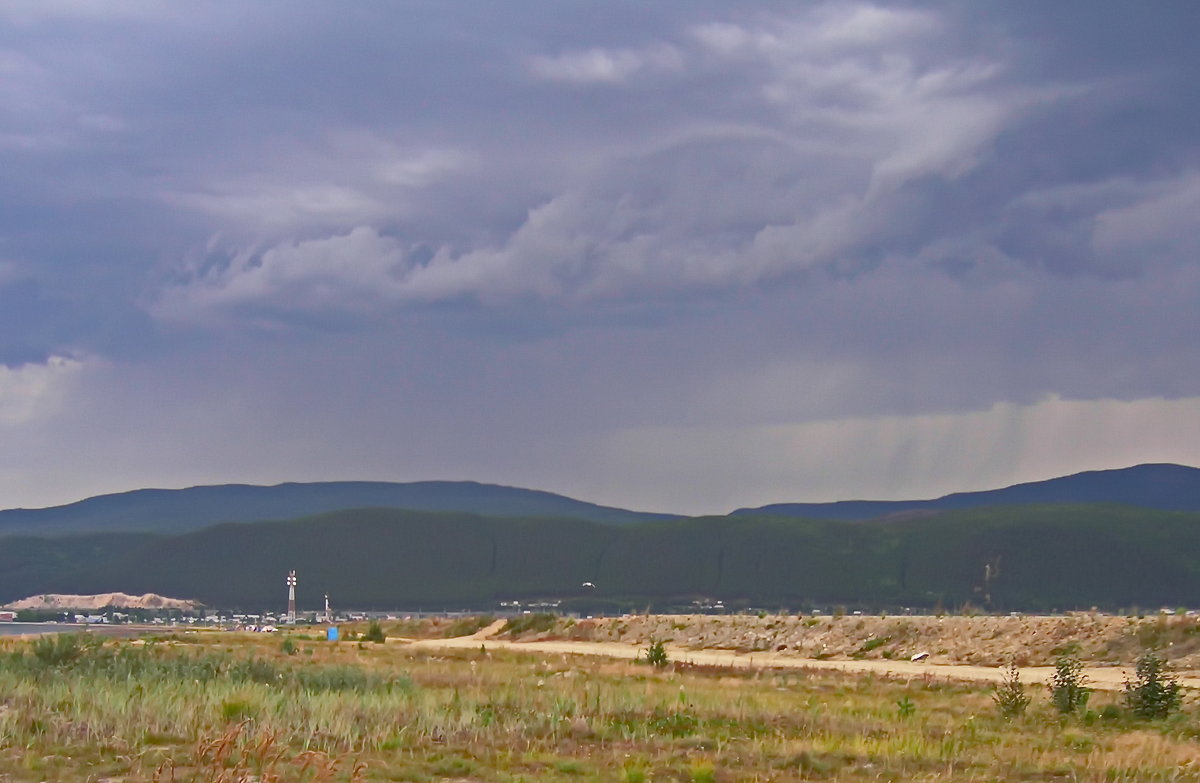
(291, 586)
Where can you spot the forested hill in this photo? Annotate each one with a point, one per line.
(179, 510)
(1048, 557)
(1165, 487)
(170, 511)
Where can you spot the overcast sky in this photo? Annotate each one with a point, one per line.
(680, 256)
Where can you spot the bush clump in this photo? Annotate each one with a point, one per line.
(375, 633)
(1153, 693)
(1068, 685)
(59, 650)
(538, 622)
(656, 654)
(1010, 696)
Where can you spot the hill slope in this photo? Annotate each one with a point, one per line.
(1048, 557)
(179, 510)
(1164, 487)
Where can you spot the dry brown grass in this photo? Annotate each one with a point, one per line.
(504, 717)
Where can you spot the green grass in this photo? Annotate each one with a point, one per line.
(231, 707)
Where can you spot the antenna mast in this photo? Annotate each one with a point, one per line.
(291, 586)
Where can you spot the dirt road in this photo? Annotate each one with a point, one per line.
(1100, 678)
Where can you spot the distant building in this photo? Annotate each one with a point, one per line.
(8, 617)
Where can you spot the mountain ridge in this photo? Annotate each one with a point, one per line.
(1155, 486)
(1161, 486)
(194, 508)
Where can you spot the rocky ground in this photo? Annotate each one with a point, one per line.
(1097, 639)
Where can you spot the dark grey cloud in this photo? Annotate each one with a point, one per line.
(412, 240)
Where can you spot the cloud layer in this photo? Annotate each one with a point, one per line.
(542, 244)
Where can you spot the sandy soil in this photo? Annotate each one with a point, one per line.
(1107, 677)
(991, 641)
(58, 601)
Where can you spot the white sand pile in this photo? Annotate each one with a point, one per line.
(58, 601)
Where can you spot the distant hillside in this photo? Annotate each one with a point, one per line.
(171, 511)
(1164, 487)
(1047, 557)
(179, 510)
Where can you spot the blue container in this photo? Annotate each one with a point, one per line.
(331, 633)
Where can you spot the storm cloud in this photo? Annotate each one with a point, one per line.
(688, 256)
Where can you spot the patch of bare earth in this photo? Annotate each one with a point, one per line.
(1097, 639)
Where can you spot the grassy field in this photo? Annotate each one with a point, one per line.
(227, 707)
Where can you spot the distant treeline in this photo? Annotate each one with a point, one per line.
(1001, 558)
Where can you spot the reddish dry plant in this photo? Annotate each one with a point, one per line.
(261, 759)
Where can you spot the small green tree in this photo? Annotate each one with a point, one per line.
(656, 654)
(1153, 693)
(1068, 685)
(1010, 696)
(374, 633)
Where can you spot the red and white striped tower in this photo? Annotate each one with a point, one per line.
(291, 585)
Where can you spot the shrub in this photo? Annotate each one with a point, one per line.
(873, 643)
(374, 633)
(905, 707)
(56, 650)
(1010, 696)
(288, 647)
(656, 654)
(1153, 693)
(538, 622)
(1068, 685)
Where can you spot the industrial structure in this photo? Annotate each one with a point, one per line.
(291, 586)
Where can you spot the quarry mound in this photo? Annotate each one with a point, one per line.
(60, 601)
